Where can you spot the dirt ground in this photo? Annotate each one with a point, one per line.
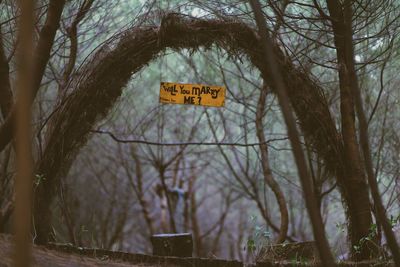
(43, 257)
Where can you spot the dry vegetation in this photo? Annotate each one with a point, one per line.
(44, 257)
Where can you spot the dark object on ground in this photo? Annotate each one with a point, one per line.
(176, 245)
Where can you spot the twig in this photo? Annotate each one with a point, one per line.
(136, 141)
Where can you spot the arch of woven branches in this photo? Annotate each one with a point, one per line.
(104, 77)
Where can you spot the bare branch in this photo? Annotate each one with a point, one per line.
(136, 141)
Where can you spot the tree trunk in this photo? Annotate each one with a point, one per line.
(6, 97)
(41, 57)
(276, 189)
(356, 191)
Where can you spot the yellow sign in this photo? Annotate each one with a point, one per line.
(193, 94)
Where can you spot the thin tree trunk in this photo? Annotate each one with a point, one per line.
(7, 203)
(140, 193)
(170, 204)
(66, 213)
(23, 180)
(193, 217)
(267, 170)
(221, 224)
(42, 56)
(6, 97)
(306, 183)
(363, 131)
(357, 189)
(72, 32)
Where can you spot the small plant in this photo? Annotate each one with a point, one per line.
(371, 239)
(394, 220)
(366, 239)
(39, 178)
(298, 261)
(258, 238)
(82, 230)
(341, 227)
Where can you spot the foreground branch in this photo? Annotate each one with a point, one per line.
(136, 141)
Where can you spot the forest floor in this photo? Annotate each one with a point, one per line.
(45, 257)
(68, 256)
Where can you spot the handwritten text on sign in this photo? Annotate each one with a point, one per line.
(194, 94)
